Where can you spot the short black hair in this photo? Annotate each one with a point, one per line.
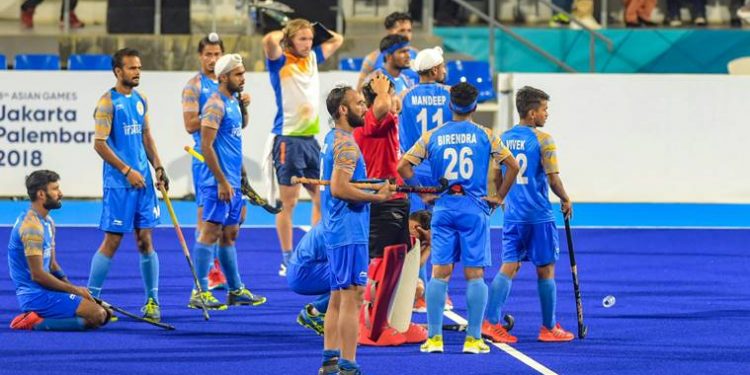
(117, 58)
(335, 99)
(463, 94)
(423, 217)
(529, 98)
(394, 18)
(369, 93)
(206, 42)
(391, 40)
(38, 180)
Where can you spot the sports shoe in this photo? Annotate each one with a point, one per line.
(556, 334)
(27, 18)
(330, 367)
(497, 333)
(151, 311)
(415, 334)
(282, 270)
(420, 305)
(700, 21)
(433, 344)
(26, 321)
(559, 19)
(198, 300)
(448, 304)
(475, 346)
(243, 297)
(74, 22)
(216, 278)
(356, 371)
(314, 322)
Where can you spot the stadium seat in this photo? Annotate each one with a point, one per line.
(37, 62)
(739, 66)
(89, 62)
(475, 72)
(351, 64)
(3, 65)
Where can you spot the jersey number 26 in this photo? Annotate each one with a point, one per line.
(462, 159)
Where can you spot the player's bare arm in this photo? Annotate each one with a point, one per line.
(153, 156)
(342, 188)
(556, 184)
(330, 46)
(272, 44)
(507, 180)
(108, 155)
(208, 136)
(48, 281)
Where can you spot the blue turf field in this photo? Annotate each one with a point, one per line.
(683, 305)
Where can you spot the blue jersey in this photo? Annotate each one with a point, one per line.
(121, 120)
(425, 107)
(528, 200)
(409, 73)
(31, 235)
(345, 223)
(460, 152)
(310, 249)
(223, 114)
(194, 98)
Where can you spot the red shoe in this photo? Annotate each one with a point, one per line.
(27, 18)
(389, 337)
(75, 23)
(497, 333)
(415, 334)
(448, 303)
(557, 334)
(420, 305)
(216, 278)
(26, 321)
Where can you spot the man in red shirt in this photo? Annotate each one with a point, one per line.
(378, 140)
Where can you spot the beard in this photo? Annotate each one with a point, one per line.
(129, 83)
(354, 120)
(234, 89)
(52, 204)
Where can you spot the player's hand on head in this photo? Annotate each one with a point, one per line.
(380, 84)
(162, 179)
(136, 179)
(567, 209)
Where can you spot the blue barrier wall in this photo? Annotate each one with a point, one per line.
(635, 51)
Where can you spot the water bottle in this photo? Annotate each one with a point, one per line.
(608, 301)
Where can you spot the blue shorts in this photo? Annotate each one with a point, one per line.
(125, 209)
(295, 156)
(461, 236)
(309, 279)
(196, 168)
(220, 212)
(348, 266)
(537, 243)
(50, 304)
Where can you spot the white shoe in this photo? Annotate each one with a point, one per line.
(744, 13)
(675, 23)
(589, 22)
(282, 270)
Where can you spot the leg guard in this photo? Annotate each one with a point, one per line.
(384, 274)
(400, 311)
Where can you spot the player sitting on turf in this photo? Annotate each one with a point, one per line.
(461, 152)
(49, 301)
(308, 274)
(529, 231)
(419, 228)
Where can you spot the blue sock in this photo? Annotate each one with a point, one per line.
(203, 255)
(331, 354)
(347, 365)
(67, 324)
(435, 298)
(499, 292)
(228, 260)
(548, 297)
(321, 303)
(150, 275)
(476, 302)
(423, 274)
(285, 255)
(99, 268)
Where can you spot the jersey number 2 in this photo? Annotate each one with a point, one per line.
(523, 164)
(463, 159)
(437, 119)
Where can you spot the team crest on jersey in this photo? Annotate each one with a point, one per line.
(140, 109)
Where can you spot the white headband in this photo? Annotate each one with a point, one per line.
(227, 63)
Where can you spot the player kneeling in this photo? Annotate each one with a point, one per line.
(49, 301)
(308, 274)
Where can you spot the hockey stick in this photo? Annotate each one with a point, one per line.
(583, 330)
(106, 305)
(376, 186)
